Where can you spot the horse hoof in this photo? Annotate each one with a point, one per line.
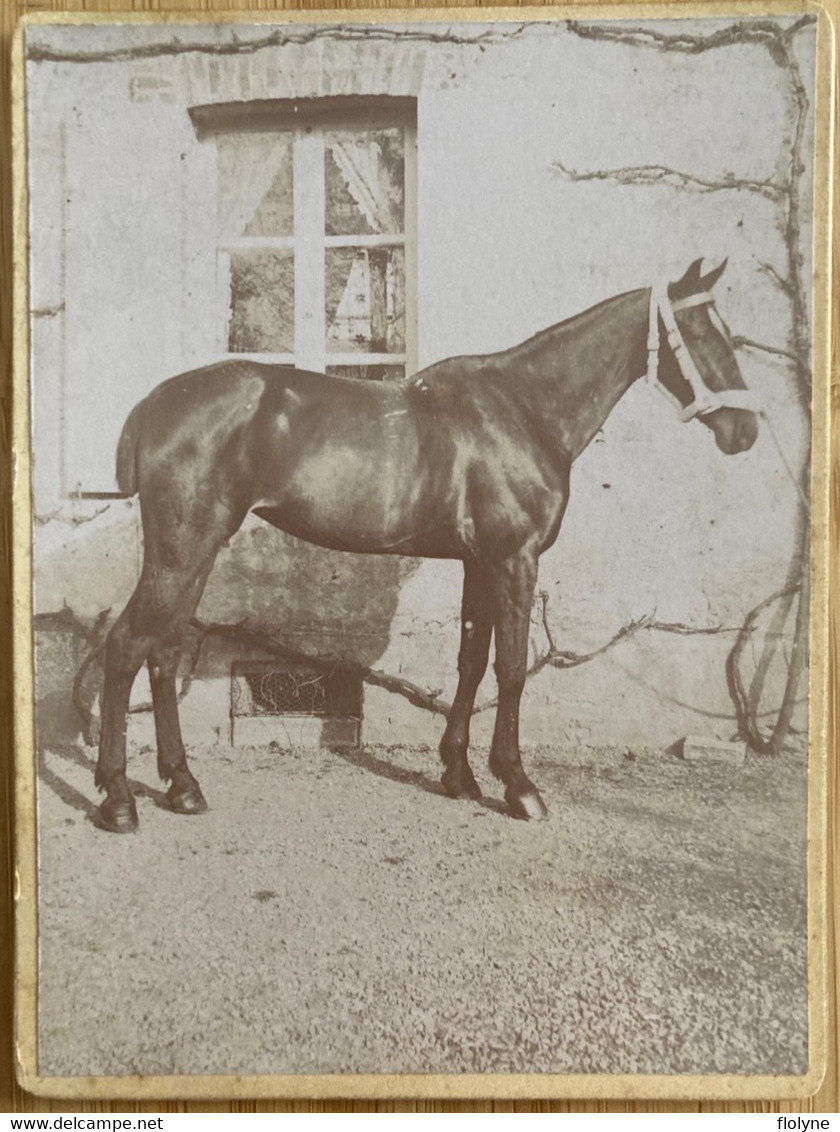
(528, 806)
(118, 817)
(456, 788)
(187, 801)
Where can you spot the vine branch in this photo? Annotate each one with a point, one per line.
(651, 175)
(778, 41)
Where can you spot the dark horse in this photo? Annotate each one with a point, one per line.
(467, 460)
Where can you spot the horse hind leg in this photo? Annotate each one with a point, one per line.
(151, 627)
(184, 795)
(476, 629)
(127, 646)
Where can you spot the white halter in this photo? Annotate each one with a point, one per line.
(704, 400)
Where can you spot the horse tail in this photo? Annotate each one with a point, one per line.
(127, 450)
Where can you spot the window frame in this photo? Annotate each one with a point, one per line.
(309, 120)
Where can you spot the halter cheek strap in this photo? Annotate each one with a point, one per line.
(704, 400)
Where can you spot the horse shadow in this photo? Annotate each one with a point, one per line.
(74, 798)
(365, 759)
(359, 757)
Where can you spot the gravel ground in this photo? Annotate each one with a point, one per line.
(334, 912)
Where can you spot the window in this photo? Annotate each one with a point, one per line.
(294, 705)
(315, 214)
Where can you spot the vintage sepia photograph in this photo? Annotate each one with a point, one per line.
(422, 690)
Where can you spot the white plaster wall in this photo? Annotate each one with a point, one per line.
(508, 243)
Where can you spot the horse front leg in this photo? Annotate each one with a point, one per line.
(476, 629)
(515, 581)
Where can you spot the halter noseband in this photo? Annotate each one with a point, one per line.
(704, 400)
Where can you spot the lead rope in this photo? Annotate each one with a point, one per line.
(799, 490)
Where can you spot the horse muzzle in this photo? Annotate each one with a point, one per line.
(736, 430)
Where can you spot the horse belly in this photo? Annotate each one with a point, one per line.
(370, 499)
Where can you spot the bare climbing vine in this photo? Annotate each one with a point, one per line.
(786, 193)
(271, 644)
(279, 37)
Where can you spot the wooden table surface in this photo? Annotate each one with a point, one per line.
(13, 1099)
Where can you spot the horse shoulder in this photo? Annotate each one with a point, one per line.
(511, 487)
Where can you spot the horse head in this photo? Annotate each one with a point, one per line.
(697, 369)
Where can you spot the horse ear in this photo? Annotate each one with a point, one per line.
(708, 281)
(690, 283)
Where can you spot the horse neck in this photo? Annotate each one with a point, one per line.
(577, 371)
